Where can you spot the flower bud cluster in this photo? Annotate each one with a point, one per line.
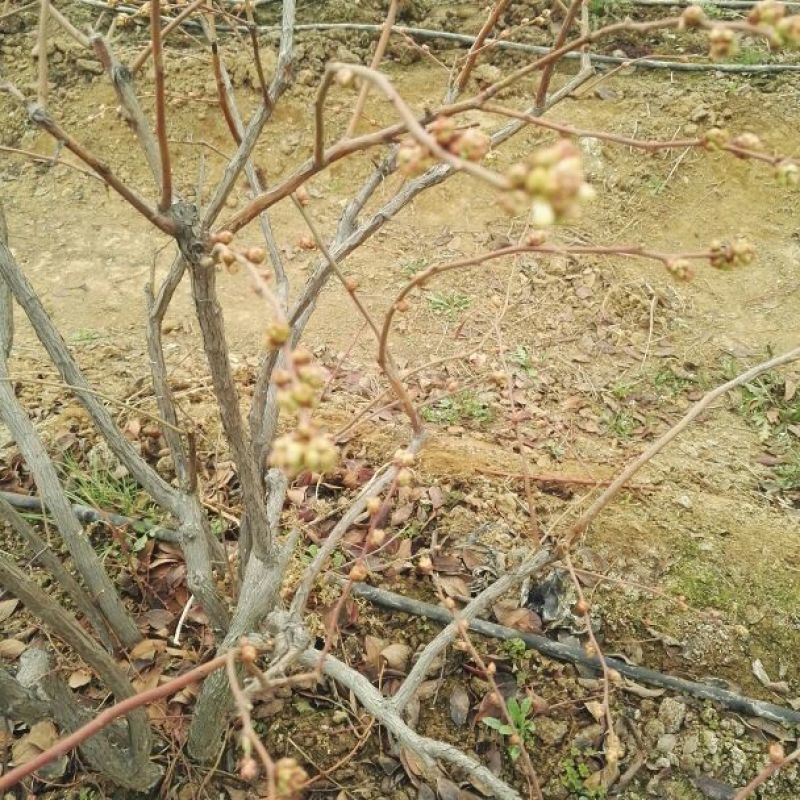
(679, 268)
(738, 253)
(772, 14)
(305, 447)
(224, 252)
(766, 12)
(788, 173)
(290, 778)
(469, 144)
(722, 43)
(787, 31)
(551, 182)
(768, 15)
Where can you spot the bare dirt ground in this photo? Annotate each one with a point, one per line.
(606, 353)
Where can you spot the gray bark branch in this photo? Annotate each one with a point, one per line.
(136, 771)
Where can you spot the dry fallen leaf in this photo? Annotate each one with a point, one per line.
(147, 649)
(595, 709)
(459, 705)
(604, 778)
(396, 656)
(436, 496)
(372, 651)
(79, 678)
(508, 613)
(454, 586)
(782, 687)
(11, 648)
(427, 689)
(447, 790)
(41, 736)
(7, 608)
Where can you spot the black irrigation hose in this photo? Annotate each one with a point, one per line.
(575, 655)
(504, 44)
(88, 515)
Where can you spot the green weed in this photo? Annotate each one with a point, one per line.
(465, 406)
(448, 303)
(574, 772)
(522, 725)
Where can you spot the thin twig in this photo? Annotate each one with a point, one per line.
(41, 52)
(535, 529)
(377, 57)
(79, 37)
(19, 10)
(161, 108)
(139, 61)
(766, 773)
(250, 738)
(547, 72)
(107, 716)
(253, 31)
(122, 81)
(491, 20)
(176, 639)
(54, 161)
(385, 360)
(412, 125)
(489, 672)
(579, 527)
(555, 477)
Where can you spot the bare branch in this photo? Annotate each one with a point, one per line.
(6, 303)
(257, 530)
(122, 81)
(695, 411)
(547, 72)
(163, 393)
(254, 179)
(107, 716)
(90, 567)
(377, 57)
(777, 761)
(253, 31)
(161, 107)
(412, 125)
(530, 566)
(429, 750)
(40, 117)
(43, 553)
(227, 101)
(433, 176)
(41, 467)
(164, 494)
(491, 20)
(138, 772)
(41, 52)
(79, 37)
(378, 483)
(140, 60)
(257, 598)
(280, 83)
